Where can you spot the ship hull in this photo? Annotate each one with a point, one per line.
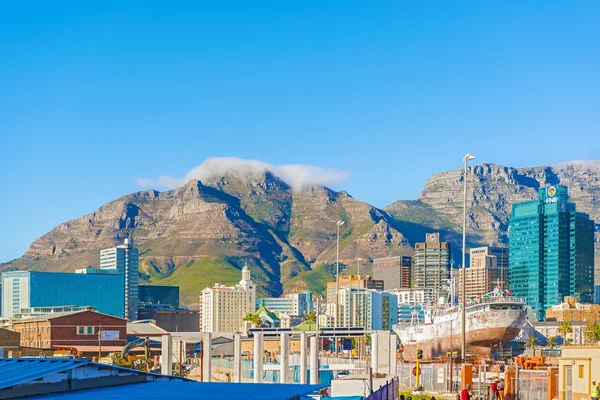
(484, 330)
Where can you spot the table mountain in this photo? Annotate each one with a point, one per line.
(204, 232)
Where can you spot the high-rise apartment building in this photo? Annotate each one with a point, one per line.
(395, 272)
(44, 292)
(352, 282)
(223, 308)
(367, 308)
(124, 260)
(551, 250)
(485, 273)
(431, 263)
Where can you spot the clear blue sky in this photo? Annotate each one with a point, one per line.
(94, 95)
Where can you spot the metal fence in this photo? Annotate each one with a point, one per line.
(433, 377)
(531, 385)
(386, 392)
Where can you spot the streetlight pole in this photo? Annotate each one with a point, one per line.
(358, 273)
(337, 275)
(463, 353)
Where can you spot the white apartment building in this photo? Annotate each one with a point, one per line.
(414, 295)
(223, 308)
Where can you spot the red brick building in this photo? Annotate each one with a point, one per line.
(79, 329)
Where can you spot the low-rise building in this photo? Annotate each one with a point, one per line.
(572, 310)
(158, 294)
(35, 290)
(578, 366)
(542, 330)
(171, 319)
(84, 330)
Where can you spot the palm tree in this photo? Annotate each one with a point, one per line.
(564, 329)
(532, 342)
(551, 341)
(310, 317)
(253, 319)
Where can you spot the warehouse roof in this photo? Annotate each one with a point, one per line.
(193, 390)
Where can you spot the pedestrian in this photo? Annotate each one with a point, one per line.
(594, 392)
(494, 389)
(457, 396)
(500, 388)
(466, 393)
(401, 397)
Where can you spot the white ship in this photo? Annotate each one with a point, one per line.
(491, 320)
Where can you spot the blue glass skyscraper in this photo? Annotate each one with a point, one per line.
(551, 250)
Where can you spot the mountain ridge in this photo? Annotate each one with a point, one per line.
(201, 232)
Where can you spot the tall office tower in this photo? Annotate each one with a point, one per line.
(551, 250)
(395, 272)
(124, 259)
(431, 263)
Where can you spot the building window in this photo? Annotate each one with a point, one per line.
(85, 330)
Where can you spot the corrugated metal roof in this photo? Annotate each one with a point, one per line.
(192, 390)
(14, 371)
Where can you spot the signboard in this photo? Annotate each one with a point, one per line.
(109, 335)
(347, 344)
(440, 375)
(416, 371)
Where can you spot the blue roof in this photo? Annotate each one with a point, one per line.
(182, 390)
(14, 371)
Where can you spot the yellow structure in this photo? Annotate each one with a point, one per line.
(573, 311)
(578, 367)
(352, 282)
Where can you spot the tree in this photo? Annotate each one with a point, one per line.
(310, 316)
(593, 333)
(253, 319)
(532, 342)
(551, 341)
(564, 329)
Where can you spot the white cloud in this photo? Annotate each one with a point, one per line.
(296, 175)
(580, 164)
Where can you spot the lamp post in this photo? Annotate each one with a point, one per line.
(466, 159)
(337, 275)
(358, 273)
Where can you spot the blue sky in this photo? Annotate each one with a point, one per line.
(95, 96)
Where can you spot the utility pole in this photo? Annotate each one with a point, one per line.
(466, 159)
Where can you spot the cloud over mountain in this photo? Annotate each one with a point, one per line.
(296, 175)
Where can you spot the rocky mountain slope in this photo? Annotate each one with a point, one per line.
(491, 191)
(204, 232)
